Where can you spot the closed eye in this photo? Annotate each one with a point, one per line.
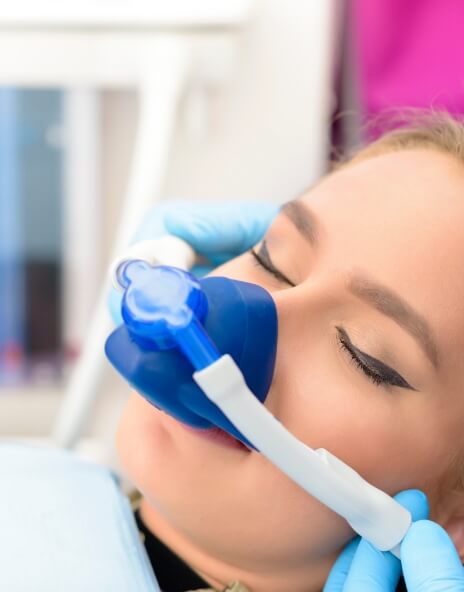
(378, 372)
(263, 259)
(375, 370)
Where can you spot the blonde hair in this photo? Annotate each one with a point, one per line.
(436, 130)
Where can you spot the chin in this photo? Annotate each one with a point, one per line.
(194, 484)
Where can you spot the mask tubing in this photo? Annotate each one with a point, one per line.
(370, 512)
(196, 345)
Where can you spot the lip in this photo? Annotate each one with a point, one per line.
(217, 436)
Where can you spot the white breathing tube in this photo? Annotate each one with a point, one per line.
(372, 513)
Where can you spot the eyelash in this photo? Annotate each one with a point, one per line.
(374, 377)
(261, 262)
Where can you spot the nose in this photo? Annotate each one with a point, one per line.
(302, 320)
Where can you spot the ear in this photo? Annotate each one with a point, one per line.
(451, 517)
(455, 529)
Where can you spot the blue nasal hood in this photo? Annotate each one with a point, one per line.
(175, 324)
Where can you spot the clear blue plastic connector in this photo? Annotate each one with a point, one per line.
(163, 307)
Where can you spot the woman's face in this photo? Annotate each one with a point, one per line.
(366, 273)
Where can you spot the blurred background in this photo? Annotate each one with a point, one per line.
(109, 103)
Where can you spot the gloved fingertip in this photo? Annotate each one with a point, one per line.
(416, 502)
(214, 227)
(177, 219)
(372, 570)
(428, 533)
(338, 574)
(194, 230)
(430, 559)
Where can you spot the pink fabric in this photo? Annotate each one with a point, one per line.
(409, 53)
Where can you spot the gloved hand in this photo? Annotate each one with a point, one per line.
(428, 557)
(217, 231)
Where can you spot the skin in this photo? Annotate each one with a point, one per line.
(396, 217)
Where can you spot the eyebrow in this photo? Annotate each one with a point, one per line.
(370, 291)
(395, 307)
(303, 219)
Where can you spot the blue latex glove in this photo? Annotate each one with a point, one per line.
(429, 559)
(217, 231)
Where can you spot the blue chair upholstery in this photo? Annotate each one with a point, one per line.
(65, 526)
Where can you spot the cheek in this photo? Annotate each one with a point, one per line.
(395, 440)
(391, 447)
(138, 439)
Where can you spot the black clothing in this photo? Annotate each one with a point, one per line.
(172, 573)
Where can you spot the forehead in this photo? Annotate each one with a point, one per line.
(414, 181)
(399, 216)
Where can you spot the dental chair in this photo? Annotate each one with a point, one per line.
(65, 525)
